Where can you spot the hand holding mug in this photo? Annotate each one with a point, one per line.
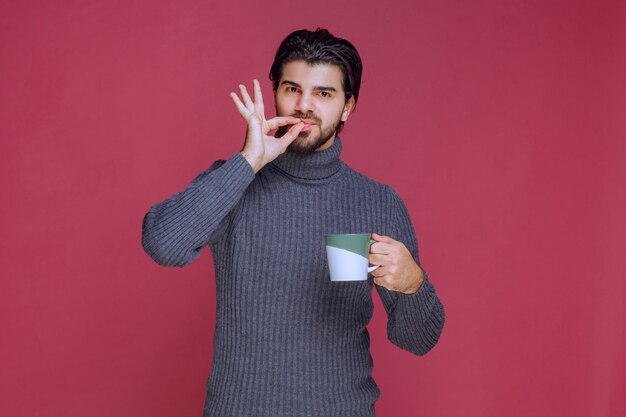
(398, 270)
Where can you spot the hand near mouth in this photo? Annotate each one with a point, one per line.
(307, 125)
(260, 148)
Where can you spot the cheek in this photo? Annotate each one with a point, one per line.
(339, 114)
(283, 106)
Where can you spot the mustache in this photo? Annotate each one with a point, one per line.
(306, 116)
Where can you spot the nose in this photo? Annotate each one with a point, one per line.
(304, 103)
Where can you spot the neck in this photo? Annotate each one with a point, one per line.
(327, 144)
(316, 166)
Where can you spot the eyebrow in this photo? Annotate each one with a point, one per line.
(316, 88)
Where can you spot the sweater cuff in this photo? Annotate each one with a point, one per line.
(239, 166)
(422, 301)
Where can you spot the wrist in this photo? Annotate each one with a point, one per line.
(254, 162)
(417, 282)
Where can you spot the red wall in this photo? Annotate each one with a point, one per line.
(501, 123)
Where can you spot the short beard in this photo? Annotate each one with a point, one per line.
(302, 144)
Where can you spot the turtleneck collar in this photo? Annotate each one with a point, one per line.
(315, 166)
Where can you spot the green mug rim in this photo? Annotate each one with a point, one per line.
(354, 247)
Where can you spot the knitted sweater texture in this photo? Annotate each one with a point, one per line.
(288, 341)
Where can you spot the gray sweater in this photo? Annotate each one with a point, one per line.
(288, 341)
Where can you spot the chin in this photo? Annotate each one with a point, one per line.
(305, 145)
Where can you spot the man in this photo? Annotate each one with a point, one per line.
(288, 341)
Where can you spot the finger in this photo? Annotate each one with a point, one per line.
(382, 238)
(291, 134)
(258, 97)
(382, 281)
(240, 106)
(246, 98)
(381, 248)
(277, 122)
(378, 272)
(377, 259)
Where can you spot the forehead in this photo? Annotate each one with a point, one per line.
(310, 76)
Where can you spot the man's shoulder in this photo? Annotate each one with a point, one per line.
(370, 183)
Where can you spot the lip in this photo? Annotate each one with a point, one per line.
(308, 124)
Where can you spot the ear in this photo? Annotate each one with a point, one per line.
(347, 108)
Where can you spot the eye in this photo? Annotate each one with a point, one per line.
(324, 94)
(292, 89)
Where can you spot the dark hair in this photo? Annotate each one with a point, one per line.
(320, 47)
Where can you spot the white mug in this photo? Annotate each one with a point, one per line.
(347, 256)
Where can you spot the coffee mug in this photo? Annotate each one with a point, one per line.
(347, 256)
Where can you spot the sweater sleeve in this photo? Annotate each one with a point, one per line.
(175, 230)
(415, 321)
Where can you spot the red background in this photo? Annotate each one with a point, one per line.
(501, 124)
